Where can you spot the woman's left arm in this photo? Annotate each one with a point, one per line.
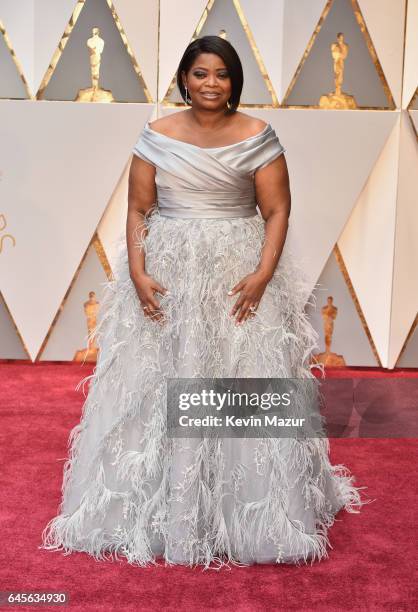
(274, 201)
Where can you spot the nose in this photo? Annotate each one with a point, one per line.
(212, 79)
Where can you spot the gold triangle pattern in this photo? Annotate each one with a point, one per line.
(363, 27)
(410, 107)
(16, 62)
(97, 244)
(408, 338)
(64, 40)
(275, 103)
(18, 334)
(347, 279)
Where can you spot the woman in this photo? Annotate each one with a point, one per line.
(231, 305)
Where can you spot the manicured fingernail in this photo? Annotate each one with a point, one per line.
(229, 292)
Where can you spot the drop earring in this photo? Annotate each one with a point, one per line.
(187, 101)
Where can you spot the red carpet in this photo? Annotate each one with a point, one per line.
(371, 565)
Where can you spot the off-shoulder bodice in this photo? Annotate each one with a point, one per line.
(215, 182)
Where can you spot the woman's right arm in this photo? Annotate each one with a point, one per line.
(141, 198)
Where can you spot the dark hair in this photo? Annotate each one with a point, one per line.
(223, 48)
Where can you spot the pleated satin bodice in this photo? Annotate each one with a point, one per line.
(215, 182)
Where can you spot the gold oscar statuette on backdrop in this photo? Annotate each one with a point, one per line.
(329, 314)
(95, 93)
(91, 308)
(337, 99)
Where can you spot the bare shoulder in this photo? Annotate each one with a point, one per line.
(250, 126)
(167, 125)
(178, 125)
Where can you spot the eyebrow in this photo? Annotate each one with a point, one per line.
(202, 68)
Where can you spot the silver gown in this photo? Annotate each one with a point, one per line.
(128, 488)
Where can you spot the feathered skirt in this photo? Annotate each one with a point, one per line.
(129, 489)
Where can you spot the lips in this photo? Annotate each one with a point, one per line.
(208, 94)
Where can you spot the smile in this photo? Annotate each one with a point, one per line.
(210, 95)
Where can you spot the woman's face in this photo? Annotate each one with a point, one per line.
(208, 75)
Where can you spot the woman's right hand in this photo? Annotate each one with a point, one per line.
(146, 288)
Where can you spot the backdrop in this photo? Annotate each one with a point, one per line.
(64, 163)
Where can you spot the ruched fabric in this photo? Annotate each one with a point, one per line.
(217, 182)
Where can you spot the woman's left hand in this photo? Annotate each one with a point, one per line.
(252, 288)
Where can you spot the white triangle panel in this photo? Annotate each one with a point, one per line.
(113, 223)
(329, 157)
(72, 70)
(361, 76)
(405, 277)
(69, 333)
(17, 19)
(409, 356)
(348, 338)
(50, 20)
(225, 16)
(139, 21)
(178, 21)
(414, 116)
(112, 227)
(385, 21)
(368, 241)
(61, 162)
(11, 346)
(329, 154)
(299, 23)
(410, 78)
(265, 22)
